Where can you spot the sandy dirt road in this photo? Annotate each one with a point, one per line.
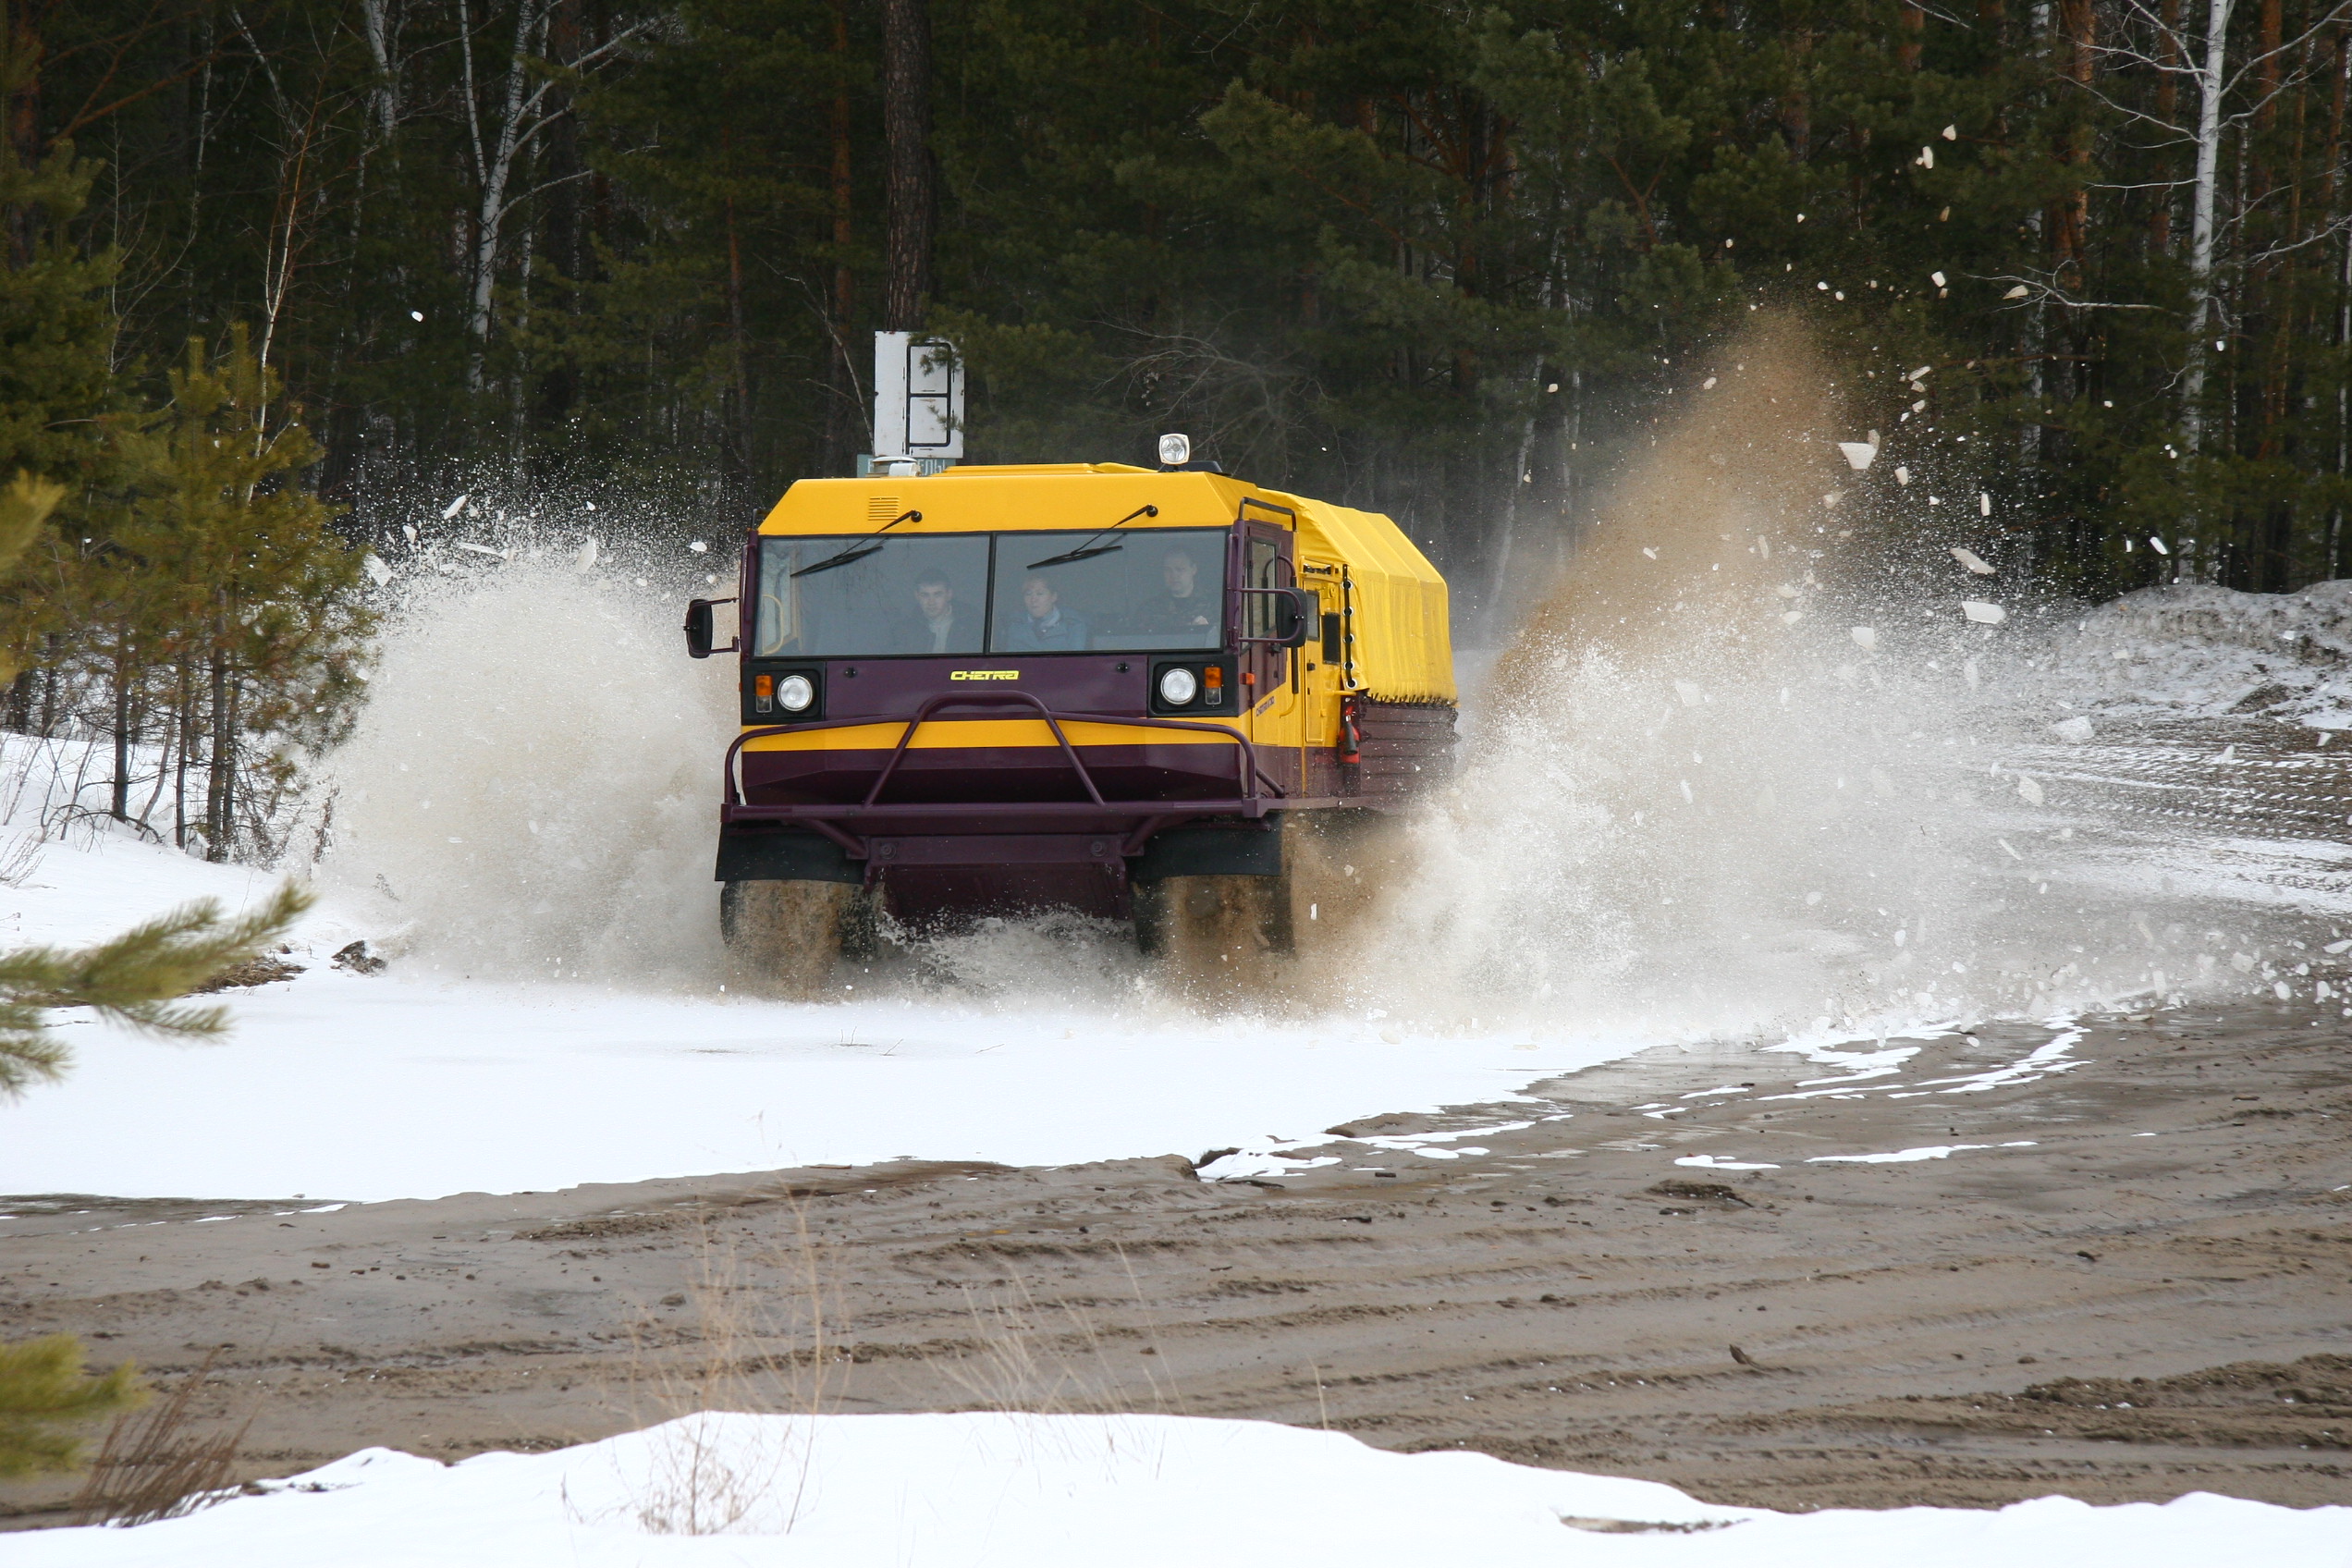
(2141, 1286)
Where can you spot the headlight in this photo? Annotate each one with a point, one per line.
(1175, 451)
(1178, 686)
(794, 693)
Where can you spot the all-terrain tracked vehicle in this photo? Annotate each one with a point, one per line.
(1137, 693)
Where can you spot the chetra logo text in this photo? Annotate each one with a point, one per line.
(983, 675)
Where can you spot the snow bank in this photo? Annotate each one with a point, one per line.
(1083, 1491)
(2192, 650)
(418, 1084)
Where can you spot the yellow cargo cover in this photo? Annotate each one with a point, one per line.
(1403, 648)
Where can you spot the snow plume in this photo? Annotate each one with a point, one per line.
(1728, 781)
(532, 788)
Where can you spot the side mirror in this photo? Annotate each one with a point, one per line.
(698, 629)
(1294, 617)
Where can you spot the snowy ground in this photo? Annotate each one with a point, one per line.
(1082, 1491)
(360, 1088)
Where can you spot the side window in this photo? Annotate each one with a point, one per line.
(1265, 572)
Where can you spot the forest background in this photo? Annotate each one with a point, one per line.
(285, 275)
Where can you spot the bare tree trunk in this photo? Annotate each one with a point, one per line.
(906, 121)
(119, 797)
(2209, 75)
(220, 785)
(845, 411)
(380, 27)
(494, 171)
(2343, 46)
(2168, 55)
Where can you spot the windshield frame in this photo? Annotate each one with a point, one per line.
(990, 632)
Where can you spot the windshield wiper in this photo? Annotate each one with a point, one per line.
(859, 551)
(1088, 550)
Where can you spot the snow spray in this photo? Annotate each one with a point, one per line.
(1751, 768)
(533, 788)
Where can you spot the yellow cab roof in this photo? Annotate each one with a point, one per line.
(1404, 651)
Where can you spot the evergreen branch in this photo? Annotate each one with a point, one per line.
(135, 980)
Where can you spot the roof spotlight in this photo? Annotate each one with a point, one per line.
(1175, 451)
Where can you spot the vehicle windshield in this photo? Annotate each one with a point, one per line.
(1005, 593)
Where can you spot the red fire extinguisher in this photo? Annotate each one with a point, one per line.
(1350, 735)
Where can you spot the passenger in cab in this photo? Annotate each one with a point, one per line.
(1043, 626)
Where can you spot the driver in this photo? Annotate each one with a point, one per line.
(933, 628)
(1180, 607)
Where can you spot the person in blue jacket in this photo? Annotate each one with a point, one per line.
(1044, 625)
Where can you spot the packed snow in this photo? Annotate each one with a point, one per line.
(2193, 650)
(416, 1084)
(991, 1491)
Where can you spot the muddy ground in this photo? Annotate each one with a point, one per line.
(2141, 1286)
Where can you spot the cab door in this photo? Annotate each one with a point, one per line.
(1269, 673)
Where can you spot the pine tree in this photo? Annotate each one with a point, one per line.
(224, 565)
(57, 377)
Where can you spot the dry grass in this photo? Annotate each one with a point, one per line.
(155, 1466)
(1048, 1357)
(760, 1350)
(22, 859)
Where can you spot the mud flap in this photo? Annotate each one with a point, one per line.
(783, 855)
(1214, 850)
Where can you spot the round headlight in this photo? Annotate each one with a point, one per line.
(1178, 686)
(1175, 450)
(794, 693)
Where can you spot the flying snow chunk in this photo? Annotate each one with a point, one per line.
(1865, 638)
(1926, 161)
(1983, 613)
(1901, 474)
(1707, 384)
(2029, 790)
(1936, 278)
(1952, 133)
(1972, 560)
(2075, 731)
(1859, 455)
(452, 509)
(1920, 375)
(1689, 693)
(2158, 545)
(1984, 503)
(586, 558)
(2018, 293)
(482, 549)
(1651, 553)
(699, 547)
(377, 571)
(416, 315)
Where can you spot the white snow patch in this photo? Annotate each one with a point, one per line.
(2190, 649)
(989, 1490)
(1900, 1157)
